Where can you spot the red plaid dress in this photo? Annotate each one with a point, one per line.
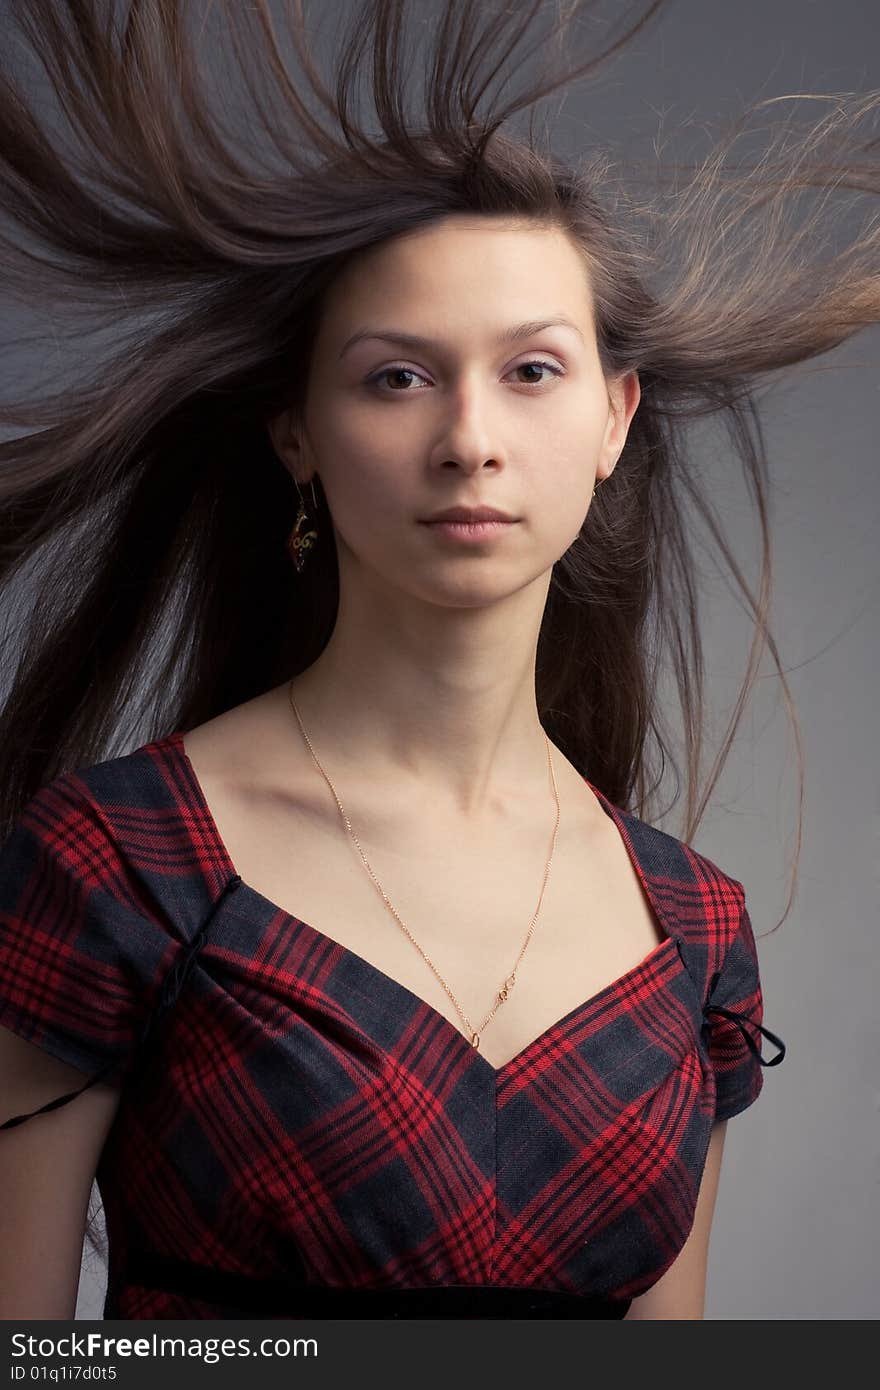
(301, 1135)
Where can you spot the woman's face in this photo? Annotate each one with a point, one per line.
(467, 416)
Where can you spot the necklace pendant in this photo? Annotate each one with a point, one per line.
(506, 988)
(475, 1040)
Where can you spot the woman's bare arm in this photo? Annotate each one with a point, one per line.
(47, 1166)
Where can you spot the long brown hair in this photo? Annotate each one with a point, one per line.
(145, 511)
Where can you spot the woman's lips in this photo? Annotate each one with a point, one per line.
(469, 530)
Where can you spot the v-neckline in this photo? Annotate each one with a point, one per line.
(637, 974)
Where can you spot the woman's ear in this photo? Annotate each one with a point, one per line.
(285, 436)
(624, 394)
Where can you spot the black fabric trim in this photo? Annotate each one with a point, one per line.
(239, 1295)
(743, 1023)
(174, 981)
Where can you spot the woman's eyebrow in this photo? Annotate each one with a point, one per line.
(414, 340)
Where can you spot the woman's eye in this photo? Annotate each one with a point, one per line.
(399, 372)
(392, 371)
(557, 371)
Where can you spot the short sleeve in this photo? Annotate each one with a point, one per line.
(79, 957)
(733, 1017)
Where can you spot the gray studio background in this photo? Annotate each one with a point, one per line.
(795, 1234)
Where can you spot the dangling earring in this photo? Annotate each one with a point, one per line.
(300, 540)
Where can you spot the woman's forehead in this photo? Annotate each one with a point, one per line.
(429, 288)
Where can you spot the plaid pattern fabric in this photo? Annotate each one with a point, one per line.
(292, 1116)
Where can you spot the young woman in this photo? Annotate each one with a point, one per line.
(357, 986)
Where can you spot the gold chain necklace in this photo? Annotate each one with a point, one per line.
(511, 978)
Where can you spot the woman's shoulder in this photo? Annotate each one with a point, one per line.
(698, 890)
(120, 802)
(126, 830)
(96, 901)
